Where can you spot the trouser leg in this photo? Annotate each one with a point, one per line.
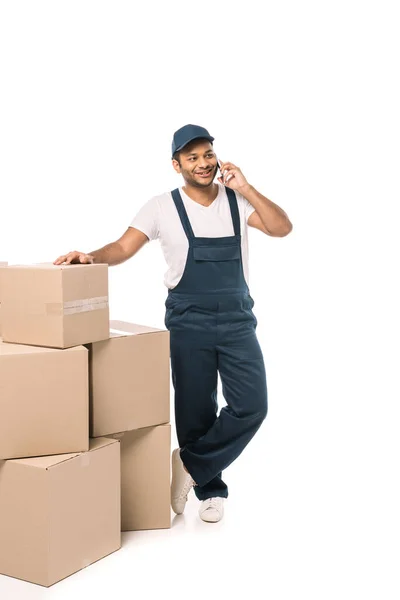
(242, 371)
(194, 376)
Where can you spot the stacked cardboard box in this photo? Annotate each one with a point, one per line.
(55, 306)
(44, 400)
(58, 514)
(129, 399)
(84, 423)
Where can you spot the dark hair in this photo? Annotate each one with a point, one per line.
(177, 154)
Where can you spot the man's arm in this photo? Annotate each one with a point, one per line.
(112, 254)
(268, 217)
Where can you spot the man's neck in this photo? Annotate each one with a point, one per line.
(204, 196)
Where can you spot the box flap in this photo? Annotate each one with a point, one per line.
(51, 266)
(44, 462)
(8, 349)
(100, 442)
(122, 328)
(120, 434)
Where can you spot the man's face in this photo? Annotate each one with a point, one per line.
(198, 164)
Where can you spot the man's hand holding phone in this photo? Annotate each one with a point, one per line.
(231, 176)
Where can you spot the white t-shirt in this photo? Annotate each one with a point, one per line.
(159, 219)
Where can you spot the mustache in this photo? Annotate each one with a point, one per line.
(207, 169)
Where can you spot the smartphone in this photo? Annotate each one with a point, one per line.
(220, 170)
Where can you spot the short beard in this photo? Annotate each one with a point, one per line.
(193, 182)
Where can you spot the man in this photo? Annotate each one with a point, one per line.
(202, 228)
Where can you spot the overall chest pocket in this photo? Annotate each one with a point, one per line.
(216, 253)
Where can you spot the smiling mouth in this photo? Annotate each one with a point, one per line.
(205, 174)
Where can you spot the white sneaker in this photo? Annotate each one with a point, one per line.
(181, 483)
(212, 509)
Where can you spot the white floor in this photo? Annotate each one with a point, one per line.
(302, 521)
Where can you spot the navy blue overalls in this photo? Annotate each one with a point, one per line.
(212, 329)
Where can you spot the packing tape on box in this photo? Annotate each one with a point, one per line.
(84, 305)
(77, 306)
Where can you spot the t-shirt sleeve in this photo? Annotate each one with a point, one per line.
(248, 208)
(147, 219)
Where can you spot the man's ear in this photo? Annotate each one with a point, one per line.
(176, 165)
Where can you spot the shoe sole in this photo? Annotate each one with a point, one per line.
(175, 463)
(211, 520)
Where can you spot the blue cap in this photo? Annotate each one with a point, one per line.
(186, 134)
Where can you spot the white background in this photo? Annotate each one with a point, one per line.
(304, 97)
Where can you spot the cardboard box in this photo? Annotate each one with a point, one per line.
(55, 306)
(2, 264)
(145, 478)
(129, 379)
(44, 400)
(59, 514)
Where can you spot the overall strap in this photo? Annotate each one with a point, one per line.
(234, 210)
(182, 213)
